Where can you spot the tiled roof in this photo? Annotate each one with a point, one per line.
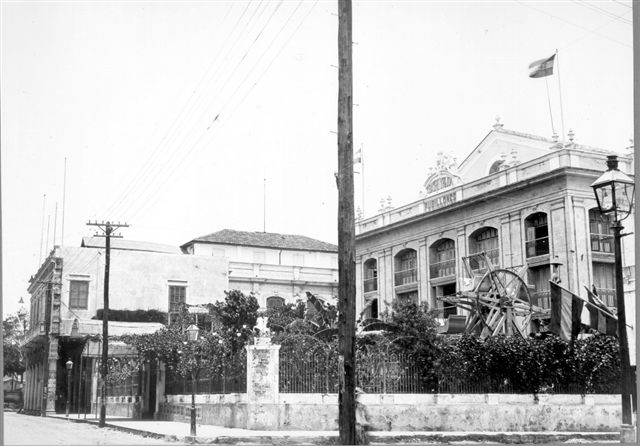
(265, 240)
(129, 245)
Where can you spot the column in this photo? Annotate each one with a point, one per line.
(52, 359)
(506, 239)
(423, 271)
(263, 363)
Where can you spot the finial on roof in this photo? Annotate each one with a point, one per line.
(571, 135)
(554, 136)
(389, 202)
(497, 125)
(358, 213)
(630, 147)
(382, 207)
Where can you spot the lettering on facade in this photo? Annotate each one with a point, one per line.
(442, 176)
(440, 202)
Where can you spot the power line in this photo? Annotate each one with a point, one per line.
(181, 161)
(604, 11)
(159, 167)
(573, 24)
(181, 114)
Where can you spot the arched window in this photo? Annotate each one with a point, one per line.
(274, 302)
(537, 234)
(406, 263)
(484, 240)
(601, 232)
(370, 275)
(442, 258)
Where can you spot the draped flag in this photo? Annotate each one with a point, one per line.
(542, 67)
(600, 317)
(566, 309)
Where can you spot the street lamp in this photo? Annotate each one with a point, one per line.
(614, 193)
(192, 335)
(69, 365)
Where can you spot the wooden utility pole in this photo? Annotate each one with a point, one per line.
(346, 231)
(107, 229)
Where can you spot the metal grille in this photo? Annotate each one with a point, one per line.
(233, 379)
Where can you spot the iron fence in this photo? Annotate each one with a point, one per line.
(232, 379)
(400, 373)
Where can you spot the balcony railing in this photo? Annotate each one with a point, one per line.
(541, 298)
(443, 269)
(479, 265)
(538, 247)
(608, 296)
(370, 284)
(406, 276)
(602, 243)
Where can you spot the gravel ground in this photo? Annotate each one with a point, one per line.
(30, 430)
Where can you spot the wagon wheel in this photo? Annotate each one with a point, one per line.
(502, 305)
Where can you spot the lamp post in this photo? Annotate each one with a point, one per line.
(614, 193)
(192, 335)
(69, 365)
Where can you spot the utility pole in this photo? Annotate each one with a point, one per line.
(107, 229)
(346, 230)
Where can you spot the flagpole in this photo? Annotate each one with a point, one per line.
(553, 130)
(560, 94)
(362, 175)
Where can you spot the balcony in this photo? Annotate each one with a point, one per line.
(608, 296)
(370, 285)
(602, 243)
(442, 269)
(541, 298)
(537, 247)
(406, 277)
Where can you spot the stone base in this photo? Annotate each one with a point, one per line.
(627, 434)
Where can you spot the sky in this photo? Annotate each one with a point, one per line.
(185, 118)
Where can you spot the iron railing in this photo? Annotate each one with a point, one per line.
(541, 298)
(232, 379)
(537, 247)
(602, 243)
(406, 276)
(442, 269)
(370, 284)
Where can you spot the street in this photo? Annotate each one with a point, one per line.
(30, 430)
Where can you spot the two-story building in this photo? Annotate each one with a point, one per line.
(523, 200)
(277, 268)
(67, 294)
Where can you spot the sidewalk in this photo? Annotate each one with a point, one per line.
(174, 431)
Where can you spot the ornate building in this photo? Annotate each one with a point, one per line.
(523, 200)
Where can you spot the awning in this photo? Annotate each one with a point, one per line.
(93, 349)
(89, 327)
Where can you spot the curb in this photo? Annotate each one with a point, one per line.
(378, 437)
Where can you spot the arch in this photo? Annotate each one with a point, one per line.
(274, 302)
(536, 234)
(484, 239)
(406, 267)
(442, 258)
(370, 274)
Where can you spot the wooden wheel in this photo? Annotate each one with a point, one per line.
(501, 305)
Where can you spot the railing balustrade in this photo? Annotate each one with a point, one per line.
(406, 276)
(442, 269)
(370, 284)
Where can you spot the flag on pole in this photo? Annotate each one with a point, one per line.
(600, 317)
(357, 157)
(566, 309)
(542, 67)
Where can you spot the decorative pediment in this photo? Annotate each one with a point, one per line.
(443, 176)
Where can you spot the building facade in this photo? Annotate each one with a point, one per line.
(523, 200)
(67, 293)
(277, 268)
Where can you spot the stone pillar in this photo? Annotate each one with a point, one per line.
(263, 364)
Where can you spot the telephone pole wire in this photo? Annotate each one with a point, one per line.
(107, 228)
(346, 230)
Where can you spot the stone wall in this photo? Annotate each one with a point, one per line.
(120, 406)
(412, 412)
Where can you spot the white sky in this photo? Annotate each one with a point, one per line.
(128, 92)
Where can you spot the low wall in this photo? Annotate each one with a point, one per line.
(120, 406)
(410, 412)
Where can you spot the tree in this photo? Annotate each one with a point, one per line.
(236, 316)
(12, 332)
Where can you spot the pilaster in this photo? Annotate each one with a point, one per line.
(263, 364)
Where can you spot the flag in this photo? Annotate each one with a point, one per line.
(566, 309)
(357, 158)
(542, 67)
(600, 317)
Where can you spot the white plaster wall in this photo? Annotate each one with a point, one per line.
(140, 280)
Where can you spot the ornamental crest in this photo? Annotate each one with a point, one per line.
(443, 175)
